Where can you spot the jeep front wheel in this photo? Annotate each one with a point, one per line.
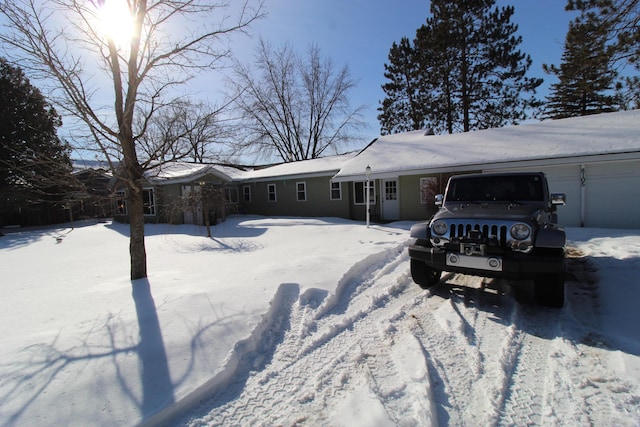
(549, 290)
(424, 275)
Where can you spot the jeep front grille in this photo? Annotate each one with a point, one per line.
(488, 231)
(492, 232)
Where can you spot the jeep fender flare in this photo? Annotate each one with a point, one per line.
(420, 230)
(550, 238)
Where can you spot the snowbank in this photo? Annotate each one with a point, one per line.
(307, 321)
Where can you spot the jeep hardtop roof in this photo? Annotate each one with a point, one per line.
(497, 187)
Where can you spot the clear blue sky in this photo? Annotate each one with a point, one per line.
(359, 33)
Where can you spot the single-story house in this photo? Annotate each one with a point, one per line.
(595, 160)
(180, 192)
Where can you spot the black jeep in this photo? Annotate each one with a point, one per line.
(494, 225)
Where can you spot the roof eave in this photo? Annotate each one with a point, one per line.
(461, 167)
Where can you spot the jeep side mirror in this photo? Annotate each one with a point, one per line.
(438, 199)
(558, 199)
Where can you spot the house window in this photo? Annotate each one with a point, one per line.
(148, 201)
(359, 189)
(391, 190)
(301, 191)
(121, 202)
(246, 193)
(428, 190)
(231, 195)
(271, 193)
(336, 190)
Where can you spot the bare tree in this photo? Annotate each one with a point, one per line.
(191, 131)
(292, 107)
(167, 43)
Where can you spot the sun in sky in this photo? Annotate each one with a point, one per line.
(116, 21)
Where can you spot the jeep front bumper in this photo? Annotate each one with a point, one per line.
(511, 265)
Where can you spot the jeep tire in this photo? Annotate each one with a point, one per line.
(424, 275)
(549, 290)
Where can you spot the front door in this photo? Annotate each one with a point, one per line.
(390, 203)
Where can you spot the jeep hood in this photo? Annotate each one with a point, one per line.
(489, 210)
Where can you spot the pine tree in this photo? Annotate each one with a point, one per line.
(34, 162)
(618, 23)
(586, 79)
(435, 46)
(470, 73)
(402, 109)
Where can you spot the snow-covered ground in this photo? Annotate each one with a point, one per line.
(292, 321)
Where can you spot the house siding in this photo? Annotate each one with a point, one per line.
(318, 201)
(358, 212)
(411, 206)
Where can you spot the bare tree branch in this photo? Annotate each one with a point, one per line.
(171, 41)
(294, 107)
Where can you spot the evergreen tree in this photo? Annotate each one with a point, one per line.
(402, 109)
(470, 73)
(438, 51)
(618, 23)
(586, 79)
(34, 162)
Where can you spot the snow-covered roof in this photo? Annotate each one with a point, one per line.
(308, 168)
(178, 172)
(567, 140)
(81, 165)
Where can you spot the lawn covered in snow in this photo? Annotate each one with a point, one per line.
(306, 321)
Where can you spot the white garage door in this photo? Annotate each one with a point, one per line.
(610, 198)
(613, 195)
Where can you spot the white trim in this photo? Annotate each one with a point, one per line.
(244, 194)
(372, 189)
(304, 191)
(275, 193)
(331, 190)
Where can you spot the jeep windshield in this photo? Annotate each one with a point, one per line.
(512, 189)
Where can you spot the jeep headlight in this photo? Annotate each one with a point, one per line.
(520, 231)
(439, 227)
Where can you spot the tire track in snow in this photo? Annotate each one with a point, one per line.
(329, 353)
(467, 352)
(469, 340)
(524, 393)
(585, 384)
(559, 377)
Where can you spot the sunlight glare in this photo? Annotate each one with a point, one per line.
(116, 21)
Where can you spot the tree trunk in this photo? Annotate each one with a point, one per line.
(135, 209)
(136, 239)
